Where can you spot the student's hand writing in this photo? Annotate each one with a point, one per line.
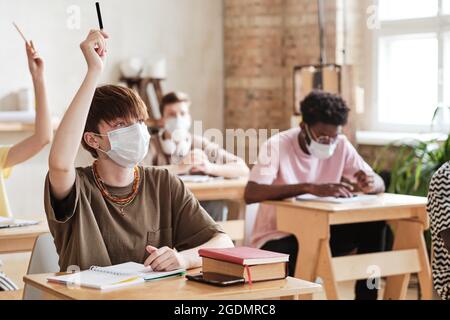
(338, 190)
(365, 181)
(94, 49)
(35, 62)
(164, 259)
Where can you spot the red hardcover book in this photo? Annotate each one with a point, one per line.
(244, 256)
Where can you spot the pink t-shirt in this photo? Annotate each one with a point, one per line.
(281, 161)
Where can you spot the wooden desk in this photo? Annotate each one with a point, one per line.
(231, 190)
(310, 222)
(228, 189)
(21, 239)
(177, 289)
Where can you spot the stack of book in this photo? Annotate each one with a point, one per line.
(249, 263)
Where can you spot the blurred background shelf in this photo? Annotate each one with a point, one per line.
(21, 121)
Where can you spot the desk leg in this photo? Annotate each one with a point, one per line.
(409, 235)
(425, 277)
(313, 234)
(325, 270)
(236, 209)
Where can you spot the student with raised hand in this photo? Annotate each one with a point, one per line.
(314, 159)
(115, 211)
(42, 136)
(183, 153)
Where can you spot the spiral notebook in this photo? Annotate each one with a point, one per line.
(107, 278)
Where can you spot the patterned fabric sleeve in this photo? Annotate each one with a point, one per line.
(439, 200)
(439, 212)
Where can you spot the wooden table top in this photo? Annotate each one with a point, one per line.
(21, 232)
(179, 288)
(382, 201)
(226, 189)
(217, 184)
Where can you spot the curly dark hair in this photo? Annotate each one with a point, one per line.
(328, 108)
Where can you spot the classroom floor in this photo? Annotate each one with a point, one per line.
(15, 266)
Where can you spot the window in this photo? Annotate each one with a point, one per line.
(407, 9)
(401, 58)
(446, 6)
(446, 73)
(412, 63)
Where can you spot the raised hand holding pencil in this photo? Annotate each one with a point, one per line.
(94, 49)
(65, 147)
(35, 62)
(43, 133)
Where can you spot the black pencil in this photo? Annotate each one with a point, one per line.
(99, 15)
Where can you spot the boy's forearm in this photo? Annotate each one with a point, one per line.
(193, 260)
(230, 170)
(70, 132)
(43, 129)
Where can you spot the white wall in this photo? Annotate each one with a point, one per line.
(187, 32)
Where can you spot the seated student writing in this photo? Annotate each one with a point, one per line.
(24, 150)
(182, 153)
(314, 159)
(439, 211)
(115, 211)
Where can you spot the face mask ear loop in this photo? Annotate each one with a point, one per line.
(103, 136)
(105, 152)
(308, 135)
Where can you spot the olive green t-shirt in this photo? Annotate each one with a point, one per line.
(90, 230)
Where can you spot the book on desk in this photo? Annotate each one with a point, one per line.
(252, 264)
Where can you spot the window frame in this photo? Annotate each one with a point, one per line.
(439, 25)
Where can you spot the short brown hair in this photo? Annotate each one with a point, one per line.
(173, 97)
(109, 103)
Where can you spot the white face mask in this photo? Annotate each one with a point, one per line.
(129, 145)
(178, 123)
(179, 145)
(320, 150)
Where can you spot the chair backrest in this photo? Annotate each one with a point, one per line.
(235, 229)
(44, 259)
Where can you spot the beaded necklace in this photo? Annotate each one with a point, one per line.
(121, 202)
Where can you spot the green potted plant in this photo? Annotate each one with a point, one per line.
(415, 164)
(417, 161)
